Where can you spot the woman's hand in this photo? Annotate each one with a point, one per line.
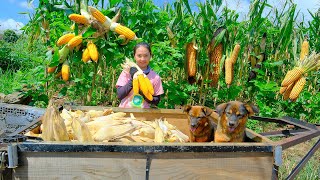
(132, 71)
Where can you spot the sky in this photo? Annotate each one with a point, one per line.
(11, 19)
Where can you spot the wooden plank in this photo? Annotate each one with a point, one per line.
(79, 165)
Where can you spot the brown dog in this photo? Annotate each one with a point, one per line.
(232, 123)
(201, 123)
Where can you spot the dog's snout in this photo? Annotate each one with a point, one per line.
(193, 125)
(231, 124)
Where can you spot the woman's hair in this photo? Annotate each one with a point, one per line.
(144, 44)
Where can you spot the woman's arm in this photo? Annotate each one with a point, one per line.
(123, 91)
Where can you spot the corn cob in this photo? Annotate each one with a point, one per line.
(286, 94)
(75, 41)
(282, 89)
(191, 56)
(228, 71)
(118, 28)
(65, 39)
(94, 55)
(215, 58)
(58, 74)
(51, 69)
(77, 18)
(292, 76)
(97, 14)
(304, 49)
(85, 55)
(149, 96)
(149, 85)
(297, 88)
(143, 86)
(65, 71)
(235, 53)
(135, 86)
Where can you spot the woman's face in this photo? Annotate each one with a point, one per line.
(142, 57)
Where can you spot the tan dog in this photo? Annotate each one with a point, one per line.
(201, 123)
(232, 123)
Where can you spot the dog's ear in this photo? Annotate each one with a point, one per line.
(252, 109)
(220, 108)
(187, 108)
(207, 111)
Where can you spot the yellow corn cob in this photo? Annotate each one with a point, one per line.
(149, 96)
(292, 76)
(94, 55)
(228, 71)
(304, 49)
(65, 71)
(135, 86)
(77, 18)
(191, 56)
(143, 86)
(118, 28)
(286, 94)
(58, 74)
(215, 58)
(97, 14)
(282, 89)
(297, 88)
(51, 69)
(65, 39)
(85, 55)
(75, 41)
(149, 85)
(235, 53)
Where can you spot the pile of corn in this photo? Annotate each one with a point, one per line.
(104, 126)
(295, 79)
(88, 17)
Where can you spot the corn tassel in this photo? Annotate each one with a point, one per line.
(191, 59)
(228, 71)
(65, 39)
(85, 55)
(135, 86)
(51, 69)
(75, 41)
(292, 76)
(235, 53)
(94, 55)
(80, 19)
(297, 88)
(304, 49)
(65, 71)
(118, 28)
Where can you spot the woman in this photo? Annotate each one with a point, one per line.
(142, 55)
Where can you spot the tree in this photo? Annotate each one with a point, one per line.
(10, 36)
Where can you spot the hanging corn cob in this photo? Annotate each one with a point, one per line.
(120, 29)
(287, 92)
(75, 41)
(51, 69)
(304, 49)
(80, 19)
(297, 88)
(65, 39)
(94, 55)
(65, 71)
(191, 58)
(235, 53)
(292, 76)
(228, 71)
(104, 20)
(85, 55)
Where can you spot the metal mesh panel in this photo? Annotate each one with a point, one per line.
(14, 117)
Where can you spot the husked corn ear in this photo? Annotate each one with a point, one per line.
(191, 59)
(118, 28)
(51, 69)
(65, 39)
(228, 71)
(292, 76)
(143, 86)
(65, 71)
(149, 85)
(286, 94)
(97, 14)
(304, 49)
(149, 96)
(297, 88)
(75, 41)
(135, 86)
(282, 89)
(94, 55)
(215, 58)
(85, 55)
(235, 53)
(58, 74)
(77, 18)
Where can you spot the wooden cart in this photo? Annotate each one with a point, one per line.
(259, 159)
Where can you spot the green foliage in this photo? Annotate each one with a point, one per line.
(10, 36)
